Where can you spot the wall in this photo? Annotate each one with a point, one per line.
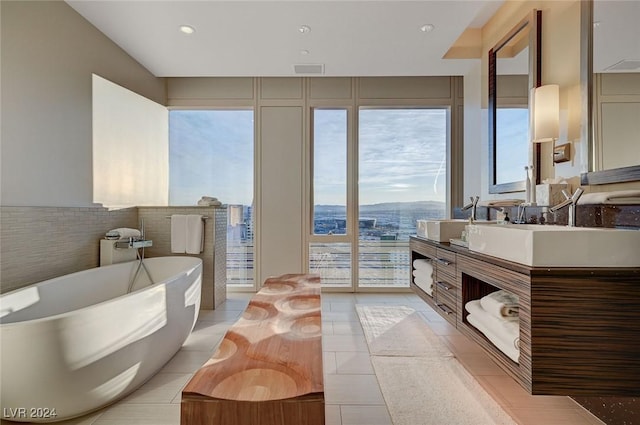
(214, 278)
(49, 53)
(39, 243)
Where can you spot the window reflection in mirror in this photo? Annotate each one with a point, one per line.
(514, 69)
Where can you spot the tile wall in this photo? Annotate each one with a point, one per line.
(40, 243)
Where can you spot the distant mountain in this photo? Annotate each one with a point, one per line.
(415, 206)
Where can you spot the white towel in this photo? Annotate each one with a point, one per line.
(125, 232)
(194, 234)
(422, 263)
(509, 350)
(425, 284)
(501, 304)
(178, 233)
(505, 332)
(625, 197)
(424, 274)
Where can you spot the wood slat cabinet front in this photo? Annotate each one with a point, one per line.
(579, 327)
(444, 286)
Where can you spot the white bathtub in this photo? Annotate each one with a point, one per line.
(73, 344)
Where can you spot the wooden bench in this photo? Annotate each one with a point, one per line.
(268, 367)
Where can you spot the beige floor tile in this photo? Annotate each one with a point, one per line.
(203, 340)
(352, 389)
(355, 363)
(332, 414)
(219, 315)
(162, 388)
(329, 364)
(443, 328)
(546, 416)
(460, 344)
(327, 328)
(339, 306)
(344, 343)
(479, 364)
(141, 414)
(186, 361)
(365, 415)
(340, 316)
(347, 328)
(212, 327)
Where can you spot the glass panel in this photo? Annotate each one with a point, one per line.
(211, 154)
(332, 261)
(402, 178)
(329, 171)
(512, 133)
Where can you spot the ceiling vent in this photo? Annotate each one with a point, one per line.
(625, 65)
(309, 68)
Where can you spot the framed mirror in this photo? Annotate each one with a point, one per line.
(610, 85)
(514, 69)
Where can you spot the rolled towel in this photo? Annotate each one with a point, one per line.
(501, 304)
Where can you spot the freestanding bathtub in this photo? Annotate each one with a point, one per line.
(75, 343)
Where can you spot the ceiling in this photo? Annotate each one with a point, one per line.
(264, 38)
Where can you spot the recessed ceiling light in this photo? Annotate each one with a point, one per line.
(304, 29)
(427, 28)
(187, 29)
(304, 52)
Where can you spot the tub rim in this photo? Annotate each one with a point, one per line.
(59, 316)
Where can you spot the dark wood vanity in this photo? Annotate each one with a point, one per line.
(579, 327)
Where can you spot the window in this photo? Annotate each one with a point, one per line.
(401, 177)
(211, 154)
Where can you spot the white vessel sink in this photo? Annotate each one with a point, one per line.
(557, 246)
(443, 230)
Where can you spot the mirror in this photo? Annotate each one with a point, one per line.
(514, 69)
(610, 74)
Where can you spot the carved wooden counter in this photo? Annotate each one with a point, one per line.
(268, 368)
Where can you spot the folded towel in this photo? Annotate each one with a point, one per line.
(511, 352)
(501, 304)
(424, 274)
(425, 284)
(125, 232)
(505, 330)
(194, 234)
(422, 263)
(178, 233)
(623, 197)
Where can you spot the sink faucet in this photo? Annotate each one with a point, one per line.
(473, 206)
(571, 201)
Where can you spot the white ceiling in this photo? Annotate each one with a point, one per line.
(262, 38)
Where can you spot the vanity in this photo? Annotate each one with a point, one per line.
(579, 326)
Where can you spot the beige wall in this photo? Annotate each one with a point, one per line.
(49, 53)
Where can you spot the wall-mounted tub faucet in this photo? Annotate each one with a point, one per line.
(473, 206)
(570, 201)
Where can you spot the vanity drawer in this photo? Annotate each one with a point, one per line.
(446, 303)
(423, 248)
(446, 262)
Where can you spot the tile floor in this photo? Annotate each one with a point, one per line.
(352, 394)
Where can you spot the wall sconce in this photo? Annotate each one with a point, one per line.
(546, 120)
(546, 113)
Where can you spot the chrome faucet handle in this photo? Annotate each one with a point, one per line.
(577, 194)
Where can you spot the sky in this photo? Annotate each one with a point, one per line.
(402, 156)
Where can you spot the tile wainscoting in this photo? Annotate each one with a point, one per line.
(40, 243)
